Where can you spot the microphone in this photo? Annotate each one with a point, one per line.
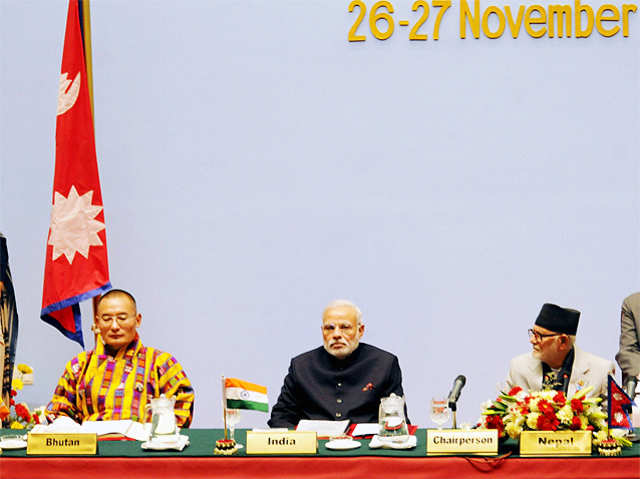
(565, 383)
(455, 391)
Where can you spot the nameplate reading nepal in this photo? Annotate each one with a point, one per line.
(555, 443)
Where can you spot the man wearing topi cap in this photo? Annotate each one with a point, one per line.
(556, 362)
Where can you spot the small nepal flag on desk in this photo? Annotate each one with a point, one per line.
(76, 265)
(245, 395)
(619, 406)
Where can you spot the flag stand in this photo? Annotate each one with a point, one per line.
(224, 409)
(617, 417)
(225, 447)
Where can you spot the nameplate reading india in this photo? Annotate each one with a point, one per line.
(290, 442)
(555, 443)
(62, 444)
(457, 441)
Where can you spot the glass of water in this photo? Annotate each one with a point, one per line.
(233, 418)
(440, 412)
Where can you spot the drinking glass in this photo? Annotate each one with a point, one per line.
(233, 418)
(440, 412)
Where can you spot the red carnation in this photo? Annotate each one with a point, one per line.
(13, 393)
(515, 390)
(577, 406)
(23, 412)
(547, 423)
(545, 407)
(12, 402)
(576, 423)
(560, 399)
(495, 422)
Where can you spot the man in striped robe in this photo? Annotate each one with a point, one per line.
(119, 378)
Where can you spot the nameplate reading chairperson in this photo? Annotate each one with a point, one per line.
(61, 444)
(457, 441)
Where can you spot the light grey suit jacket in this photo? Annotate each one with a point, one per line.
(629, 355)
(588, 370)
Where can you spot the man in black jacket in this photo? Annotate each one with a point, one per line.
(345, 379)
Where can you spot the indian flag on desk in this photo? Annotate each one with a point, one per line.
(245, 395)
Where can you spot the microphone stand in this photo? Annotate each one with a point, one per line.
(452, 406)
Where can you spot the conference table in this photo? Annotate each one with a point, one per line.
(124, 459)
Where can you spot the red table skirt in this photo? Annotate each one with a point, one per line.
(317, 467)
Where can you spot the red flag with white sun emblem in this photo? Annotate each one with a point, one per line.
(619, 406)
(76, 265)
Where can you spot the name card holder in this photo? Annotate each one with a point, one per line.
(290, 442)
(458, 441)
(62, 444)
(555, 443)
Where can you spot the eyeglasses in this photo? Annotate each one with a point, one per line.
(120, 318)
(539, 336)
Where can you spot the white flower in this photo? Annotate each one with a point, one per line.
(513, 410)
(594, 413)
(565, 414)
(548, 395)
(520, 396)
(533, 405)
(532, 420)
(513, 430)
(486, 405)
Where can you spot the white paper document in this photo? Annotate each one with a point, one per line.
(126, 427)
(323, 428)
(366, 429)
(61, 425)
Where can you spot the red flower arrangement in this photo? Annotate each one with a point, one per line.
(516, 411)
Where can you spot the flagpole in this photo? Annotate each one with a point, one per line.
(85, 12)
(93, 326)
(86, 37)
(88, 60)
(608, 404)
(224, 408)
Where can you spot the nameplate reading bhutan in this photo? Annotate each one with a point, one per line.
(555, 443)
(457, 441)
(61, 444)
(290, 442)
